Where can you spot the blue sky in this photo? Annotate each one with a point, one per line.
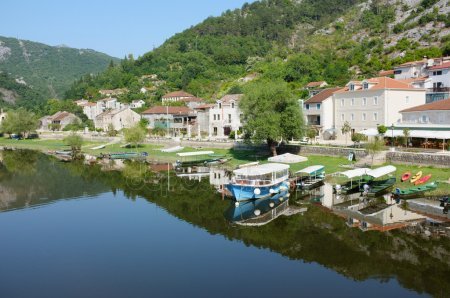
(113, 27)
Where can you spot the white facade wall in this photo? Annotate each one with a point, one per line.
(224, 117)
(444, 78)
(427, 117)
(119, 119)
(325, 111)
(410, 71)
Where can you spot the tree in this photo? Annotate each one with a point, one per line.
(271, 113)
(346, 129)
(374, 146)
(311, 133)
(135, 135)
(19, 121)
(111, 132)
(406, 134)
(75, 142)
(358, 138)
(381, 129)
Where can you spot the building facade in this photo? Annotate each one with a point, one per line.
(117, 119)
(175, 120)
(175, 96)
(58, 121)
(225, 116)
(437, 112)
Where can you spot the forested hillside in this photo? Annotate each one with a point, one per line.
(48, 70)
(295, 41)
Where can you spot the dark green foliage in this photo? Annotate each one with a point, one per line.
(26, 97)
(428, 3)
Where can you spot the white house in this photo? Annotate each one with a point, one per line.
(136, 104)
(437, 112)
(315, 87)
(119, 119)
(176, 120)
(192, 102)
(60, 120)
(202, 112)
(412, 69)
(225, 116)
(440, 82)
(319, 110)
(373, 102)
(175, 96)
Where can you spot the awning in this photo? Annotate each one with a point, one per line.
(355, 172)
(370, 132)
(311, 170)
(377, 173)
(288, 158)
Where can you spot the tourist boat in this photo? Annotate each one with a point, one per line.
(309, 177)
(124, 155)
(195, 158)
(259, 181)
(376, 187)
(411, 191)
(423, 179)
(406, 176)
(355, 178)
(416, 177)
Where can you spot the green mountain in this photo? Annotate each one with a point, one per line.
(295, 41)
(48, 70)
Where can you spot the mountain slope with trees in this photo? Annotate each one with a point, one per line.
(48, 70)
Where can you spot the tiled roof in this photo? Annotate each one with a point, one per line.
(442, 66)
(166, 109)
(314, 84)
(231, 97)
(385, 73)
(321, 96)
(179, 93)
(192, 99)
(411, 63)
(204, 107)
(384, 83)
(440, 105)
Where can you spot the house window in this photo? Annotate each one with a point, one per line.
(218, 116)
(364, 101)
(351, 87)
(220, 105)
(342, 117)
(437, 73)
(397, 72)
(375, 116)
(215, 131)
(363, 116)
(232, 105)
(352, 102)
(214, 116)
(318, 106)
(407, 99)
(307, 106)
(375, 101)
(424, 119)
(366, 85)
(342, 102)
(229, 118)
(352, 117)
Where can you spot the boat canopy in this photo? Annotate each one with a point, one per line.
(263, 169)
(376, 173)
(350, 174)
(288, 158)
(311, 170)
(195, 153)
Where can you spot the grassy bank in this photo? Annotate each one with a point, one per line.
(332, 164)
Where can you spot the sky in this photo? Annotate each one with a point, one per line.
(114, 27)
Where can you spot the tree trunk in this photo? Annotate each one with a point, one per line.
(272, 146)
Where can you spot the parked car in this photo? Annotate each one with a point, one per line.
(32, 136)
(16, 136)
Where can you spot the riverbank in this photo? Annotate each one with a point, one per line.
(332, 164)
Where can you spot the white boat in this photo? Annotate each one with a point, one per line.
(172, 149)
(259, 181)
(98, 147)
(352, 185)
(309, 177)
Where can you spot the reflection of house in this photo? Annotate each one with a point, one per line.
(319, 110)
(225, 116)
(218, 178)
(175, 119)
(59, 120)
(175, 96)
(437, 112)
(137, 104)
(373, 102)
(119, 119)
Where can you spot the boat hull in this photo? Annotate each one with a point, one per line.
(247, 192)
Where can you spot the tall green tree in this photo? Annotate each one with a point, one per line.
(135, 135)
(75, 142)
(346, 129)
(271, 113)
(375, 146)
(19, 121)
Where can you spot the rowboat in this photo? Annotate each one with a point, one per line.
(416, 177)
(402, 193)
(406, 176)
(309, 177)
(376, 187)
(124, 155)
(423, 179)
(355, 178)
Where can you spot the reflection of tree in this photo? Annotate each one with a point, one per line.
(20, 161)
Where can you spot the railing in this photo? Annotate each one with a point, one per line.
(439, 89)
(253, 182)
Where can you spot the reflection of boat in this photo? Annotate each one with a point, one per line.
(309, 177)
(259, 181)
(253, 209)
(196, 158)
(124, 155)
(376, 187)
(402, 193)
(351, 186)
(416, 177)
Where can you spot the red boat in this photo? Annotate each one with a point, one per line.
(406, 176)
(423, 179)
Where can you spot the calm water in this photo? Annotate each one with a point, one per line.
(72, 231)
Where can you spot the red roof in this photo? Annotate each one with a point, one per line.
(385, 73)
(204, 107)
(410, 63)
(322, 95)
(442, 66)
(169, 110)
(384, 83)
(314, 84)
(192, 99)
(440, 105)
(231, 97)
(179, 93)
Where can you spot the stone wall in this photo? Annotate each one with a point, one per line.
(439, 160)
(332, 151)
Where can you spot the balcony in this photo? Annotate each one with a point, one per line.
(439, 89)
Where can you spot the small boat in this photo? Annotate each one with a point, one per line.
(376, 187)
(309, 177)
(423, 179)
(124, 155)
(98, 147)
(416, 177)
(194, 158)
(259, 181)
(402, 193)
(351, 186)
(406, 176)
(172, 149)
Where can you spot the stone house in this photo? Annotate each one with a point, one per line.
(59, 120)
(175, 96)
(118, 118)
(225, 116)
(176, 120)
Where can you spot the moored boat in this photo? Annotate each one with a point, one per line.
(376, 187)
(406, 176)
(309, 177)
(259, 181)
(416, 177)
(124, 155)
(423, 179)
(355, 178)
(410, 191)
(194, 158)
